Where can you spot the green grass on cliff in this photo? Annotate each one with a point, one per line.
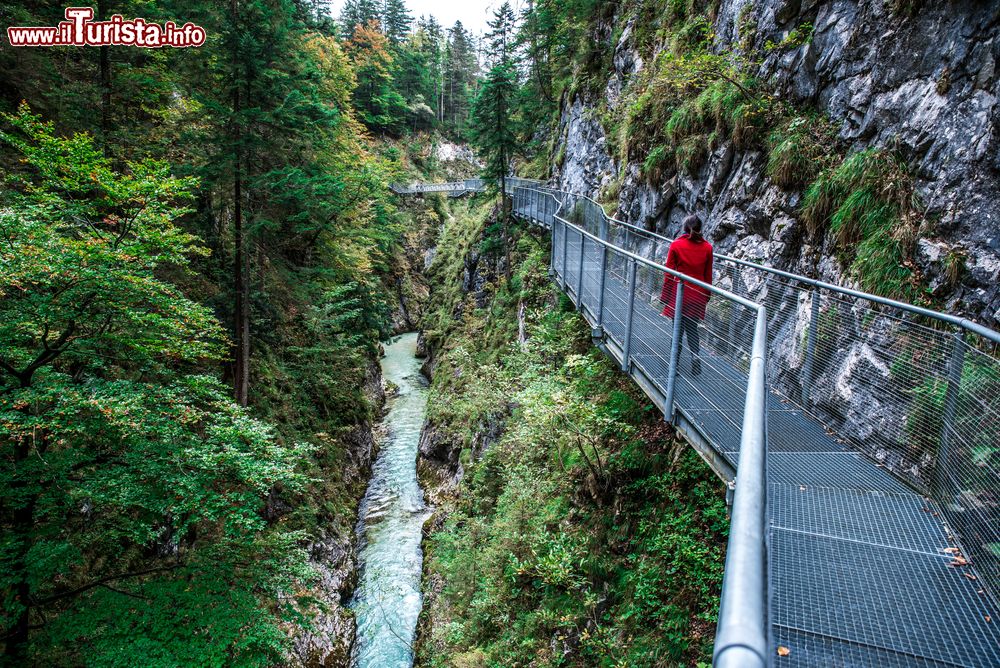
(867, 204)
(696, 93)
(584, 535)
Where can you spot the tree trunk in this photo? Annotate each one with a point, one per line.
(241, 324)
(22, 520)
(105, 68)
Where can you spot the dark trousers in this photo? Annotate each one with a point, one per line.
(689, 330)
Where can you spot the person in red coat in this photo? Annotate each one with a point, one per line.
(691, 255)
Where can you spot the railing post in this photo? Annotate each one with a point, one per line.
(742, 631)
(807, 365)
(565, 236)
(737, 277)
(552, 253)
(675, 353)
(627, 343)
(599, 327)
(579, 275)
(952, 392)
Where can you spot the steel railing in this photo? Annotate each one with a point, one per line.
(615, 289)
(916, 390)
(467, 185)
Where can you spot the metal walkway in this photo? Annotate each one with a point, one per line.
(866, 515)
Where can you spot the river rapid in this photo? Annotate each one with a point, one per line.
(388, 599)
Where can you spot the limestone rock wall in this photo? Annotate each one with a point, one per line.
(925, 84)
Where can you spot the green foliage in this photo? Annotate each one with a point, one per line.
(800, 150)
(793, 40)
(692, 102)
(868, 204)
(130, 476)
(655, 161)
(746, 26)
(580, 527)
(906, 8)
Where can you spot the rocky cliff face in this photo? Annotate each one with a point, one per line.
(329, 640)
(922, 81)
(918, 79)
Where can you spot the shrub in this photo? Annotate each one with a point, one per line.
(799, 149)
(868, 204)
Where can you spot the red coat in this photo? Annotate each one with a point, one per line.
(694, 259)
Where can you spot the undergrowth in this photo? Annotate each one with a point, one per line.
(584, 535)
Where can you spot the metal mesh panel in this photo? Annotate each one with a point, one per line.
(871, 408)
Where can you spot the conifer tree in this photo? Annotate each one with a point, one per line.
(379, 104)
(396, 21)
(461, 70)
(430, 43)
(492, 122)
(358, 13)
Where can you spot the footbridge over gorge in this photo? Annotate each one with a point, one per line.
(860, 437)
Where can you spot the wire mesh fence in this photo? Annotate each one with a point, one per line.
(851, 377)
(918, 395)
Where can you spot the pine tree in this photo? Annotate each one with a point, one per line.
(492, 122)
(430, 42)
(500, 38)
(461, 70)
(536, 37)
(358, 13)
(396, 21)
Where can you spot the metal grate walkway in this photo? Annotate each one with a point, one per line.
(865, 563)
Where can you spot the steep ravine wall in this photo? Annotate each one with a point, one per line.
(923, 83)
(329, 639)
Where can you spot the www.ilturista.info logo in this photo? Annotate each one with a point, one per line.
(79, 29)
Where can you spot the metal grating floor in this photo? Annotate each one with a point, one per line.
(899, 600)
(860, 566)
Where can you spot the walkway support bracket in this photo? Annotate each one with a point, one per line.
(600, 294)
(565, 236)
(733, 313)
(955, 364)
(807, 366)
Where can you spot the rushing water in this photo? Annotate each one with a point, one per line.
(387, 601)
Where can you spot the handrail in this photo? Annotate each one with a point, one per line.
(743, 301)
(964, 323)
(741, 632)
